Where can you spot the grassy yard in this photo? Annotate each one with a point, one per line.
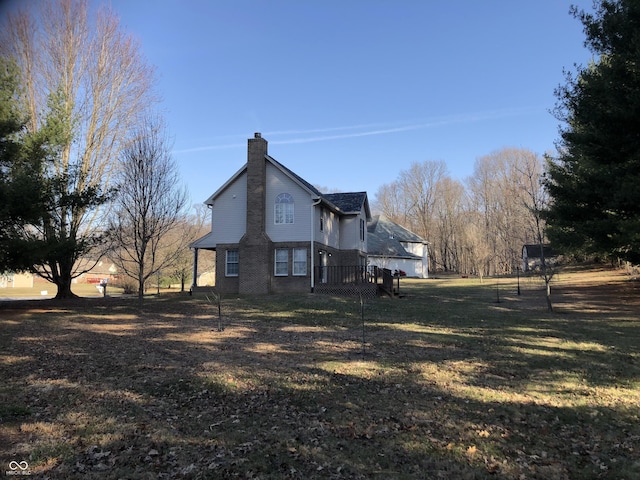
(445, 382)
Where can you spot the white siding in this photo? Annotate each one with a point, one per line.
(348, 228)
(413, 268)
(422, 251)
(229, 212)
(415, 248)
(300, 229)
(350, 232)
(330, 233)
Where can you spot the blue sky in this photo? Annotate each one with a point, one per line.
(350, 93)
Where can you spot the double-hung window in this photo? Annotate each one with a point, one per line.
(299, 261)
(282, 262)
(231, 263)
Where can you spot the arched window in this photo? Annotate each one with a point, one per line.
(283, 209)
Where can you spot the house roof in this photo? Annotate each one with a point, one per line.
(382, 224)
(379, 246)
(533, 251)
(385, 238)
(345, 203)
(294, 176)
(202, 241)
(349, 202)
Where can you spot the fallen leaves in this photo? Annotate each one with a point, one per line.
(268, 399)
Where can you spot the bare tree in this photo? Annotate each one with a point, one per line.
(449, 213)
(183, 234)
(478, 251)
(477, 227)
(496, 189)
(102, 84)
(150, 203)
(391, 201)
(419, 185)
(536, 200)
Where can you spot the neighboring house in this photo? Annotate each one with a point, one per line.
(97, 271)
(532, 256)
(394, 247)
(16, 280)
(272, 231)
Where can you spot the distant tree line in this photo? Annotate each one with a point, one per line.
(477, 226)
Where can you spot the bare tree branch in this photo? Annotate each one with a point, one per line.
(149, 205)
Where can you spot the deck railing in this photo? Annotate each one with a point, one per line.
(353, 278)
(342, 274)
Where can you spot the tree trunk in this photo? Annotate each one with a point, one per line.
(548, 294)
(141, 279)
(63, 282)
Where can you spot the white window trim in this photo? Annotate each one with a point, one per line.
(285, 206)
(298, 274)
(275, 262)
(226, 263)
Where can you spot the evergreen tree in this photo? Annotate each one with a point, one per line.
(22, 157)
(85, 86)
(594, 181)
(37, 229)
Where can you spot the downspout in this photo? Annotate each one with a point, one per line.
(426, 258)
(311, 252)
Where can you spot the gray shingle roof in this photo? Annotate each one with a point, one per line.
(384, 238)
(381, 224)
(533, 251)
(347, 202)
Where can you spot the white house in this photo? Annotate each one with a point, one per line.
(396, 248)
(272, 231)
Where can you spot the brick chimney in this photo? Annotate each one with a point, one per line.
(255, 261)
(256, 185)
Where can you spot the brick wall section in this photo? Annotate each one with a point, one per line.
(291, 283)
(256, 249)
(225, 284)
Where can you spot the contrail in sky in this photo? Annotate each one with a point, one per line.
(368, 129)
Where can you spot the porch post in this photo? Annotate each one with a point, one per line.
(194, 284)
(311, 252)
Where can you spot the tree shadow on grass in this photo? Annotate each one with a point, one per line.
(115, 392)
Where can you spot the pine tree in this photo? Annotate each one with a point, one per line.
(594, 181)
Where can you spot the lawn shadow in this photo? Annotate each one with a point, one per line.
(448, 386)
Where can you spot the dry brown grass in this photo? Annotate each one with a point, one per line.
(450, 384)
